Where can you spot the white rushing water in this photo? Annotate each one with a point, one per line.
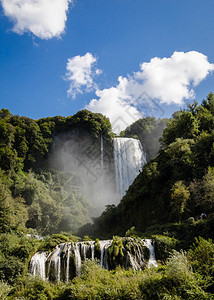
(129, 158)
(68, 262)
(92, 250)
(37, 264)
(77, 258)
(152, 261)
(57, 266)
(101, 152)
(54, 262)
(104, 245)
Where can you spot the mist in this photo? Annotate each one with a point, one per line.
(89, 166)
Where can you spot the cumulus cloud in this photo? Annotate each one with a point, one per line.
(168, 80)
(44, 18)
(116, 104)
(172, 79)
(81, 71)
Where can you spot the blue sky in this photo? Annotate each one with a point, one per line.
(118, 36)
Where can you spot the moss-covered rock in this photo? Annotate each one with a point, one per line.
(97, 249)
(115, 253)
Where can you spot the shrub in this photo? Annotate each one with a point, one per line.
(36, 288)
(4, 290)
(54, 240)
(179, 269)
(10, 268)
(98, 283)
(181, 279)
(131, 232)
(151, 285)
(201, 255)
(163, 246)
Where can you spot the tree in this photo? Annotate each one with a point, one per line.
(5, 113)
(179, 196)
(208, 186)
(13, 213)
(183, 125)
(180, 157)
(4, 209)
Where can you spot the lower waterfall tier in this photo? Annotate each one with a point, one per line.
(64, 262)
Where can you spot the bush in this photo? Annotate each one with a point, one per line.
(10, 268)
(151, 285)
(4, 290)
(15, 253)
(179, 269)
(131, 232)
(55, 240)
(163, 246)
(181, 279)
(36, 288)
(201, 255)
(98, 283)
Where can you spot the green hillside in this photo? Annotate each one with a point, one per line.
(40, 189)
(43, 193)
(176, 185)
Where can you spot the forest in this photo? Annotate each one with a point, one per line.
(171, 201)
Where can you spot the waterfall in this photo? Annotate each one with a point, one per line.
(77, 259)
(84, 248)
(82, 251)
(65, 260)
(129, 158)
(101, 152)
(54, 263)
(135, 254)
(103, 253)
(131, 261)
(92, 251)
(67, 263)
(152, 261)
(37, 264)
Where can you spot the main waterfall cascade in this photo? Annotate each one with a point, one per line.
(64, 262)
(129, 158)
(101, 152)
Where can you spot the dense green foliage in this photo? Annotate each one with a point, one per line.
(177, 184)
(25, 143)
(32, 193)
(185, 275)
(15, 254)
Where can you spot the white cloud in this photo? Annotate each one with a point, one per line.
(44, 18)
(81, 71)
(170, 80)
(115, 104)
